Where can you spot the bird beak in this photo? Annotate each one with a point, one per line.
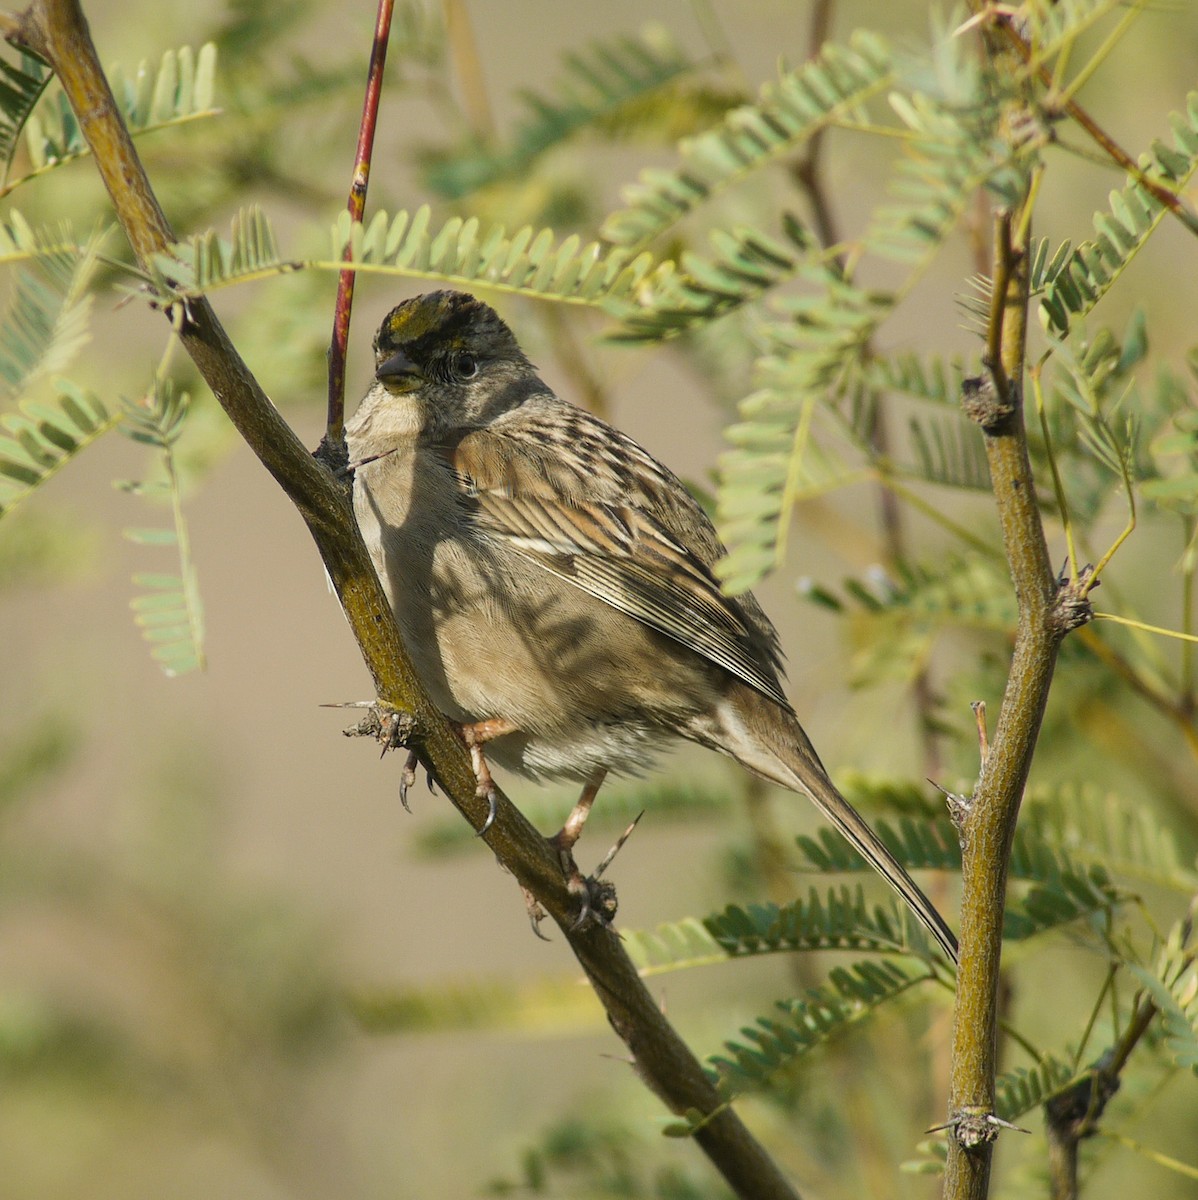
(398, 369)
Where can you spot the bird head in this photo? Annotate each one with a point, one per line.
(453, 354)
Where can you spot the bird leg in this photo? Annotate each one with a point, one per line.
(595, 900)
(476, 735)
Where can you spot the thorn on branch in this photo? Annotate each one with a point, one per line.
(959, 807)
(984, 404)
(1073, 609)
(974, 1129)
(393, 730)
(333, 455)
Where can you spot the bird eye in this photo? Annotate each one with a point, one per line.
(465, 366)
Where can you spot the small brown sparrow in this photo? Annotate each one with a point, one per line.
(553, 581)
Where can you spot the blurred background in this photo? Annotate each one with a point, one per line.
(210, 899)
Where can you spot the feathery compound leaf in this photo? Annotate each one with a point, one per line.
(839, 920)
(959, 143)
(168, 609)
(746, 264)
(20, 89)
(916, 843)
(180, 89)
(1056, 26)
(1018, 1092)
(675, 946)
(932, 379)
(20, 242)
(206, 262)
(1072, 282)
(819, 351)
(949, 452)
(895, 619)
(1173, 985)
(44, 437)
(773, 459)
(599, 81)
(530, 263)
(773, 1044)
(46, 322)
(1063, 890)
(1127, 838)
(1091, 378)
(828, 88)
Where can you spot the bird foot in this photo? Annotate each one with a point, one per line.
(536, 913)
(476, 735)
(407, 779)
(597, 902)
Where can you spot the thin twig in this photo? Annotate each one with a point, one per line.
(1165, 196)
(356, 206)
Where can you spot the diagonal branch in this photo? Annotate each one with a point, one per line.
(58, 31)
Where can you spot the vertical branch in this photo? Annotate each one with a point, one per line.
(988, 823)
(339, 344)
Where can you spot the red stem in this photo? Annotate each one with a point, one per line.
(356, 206)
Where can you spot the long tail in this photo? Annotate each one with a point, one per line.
(867, 843)
(779, 750)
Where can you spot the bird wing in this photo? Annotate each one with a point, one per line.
(614, 537)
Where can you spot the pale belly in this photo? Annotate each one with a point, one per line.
(492, 635)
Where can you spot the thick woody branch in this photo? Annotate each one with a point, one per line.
(57, 30)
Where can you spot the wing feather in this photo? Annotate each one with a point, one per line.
(622, 553)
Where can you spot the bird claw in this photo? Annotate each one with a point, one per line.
(407, 777)
(597, 902)
(486, 791)
(597, 905)
(536, 914)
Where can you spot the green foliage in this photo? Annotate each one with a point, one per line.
(600, 81)
(838, 920)
(45, 437)
(179, 89)
(46, 323)
(1172, 984)
(773, 1044)
(21, 87)
(530, 263)
(1175, 448)
(168, 610)
(1071, 282)
(746, 264)
(1020, 1091)
(820, 344)
(834, 84)
(602, 1158)
(894, 622)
